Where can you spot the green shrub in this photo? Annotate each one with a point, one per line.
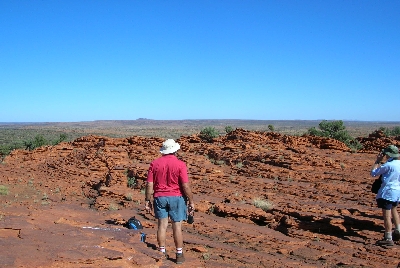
(263, 204)
(355, 145)
(335, 130)
(37, 142)
(228, 129)
(3, 190)
(314, 132)
(128, 197)
(5, 149)
(391, 132)
(331, 128)
(26, 140)
(209, 133)
(113, 206)
(131, 182)
(343, 136)
(271, 127)
(396, 131)
(62, 138)
(40, 141)
(220, 162)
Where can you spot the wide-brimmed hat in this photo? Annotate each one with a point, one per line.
(169, 147)
(391, 151)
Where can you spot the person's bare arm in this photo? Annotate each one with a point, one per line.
(378, 160)
(148, 195)
(149, 191)
(189, 195)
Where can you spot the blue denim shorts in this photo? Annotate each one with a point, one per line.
(386, 204)
(172, 206)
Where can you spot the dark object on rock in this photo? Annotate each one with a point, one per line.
(190, 219)
(376, 185)
(143, 237)
(134, 223)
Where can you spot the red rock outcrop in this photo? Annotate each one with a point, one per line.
(66, 204)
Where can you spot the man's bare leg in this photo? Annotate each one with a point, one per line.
(178, 239)
(177, 231)
(161, 231)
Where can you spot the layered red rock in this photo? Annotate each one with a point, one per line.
(322, 215)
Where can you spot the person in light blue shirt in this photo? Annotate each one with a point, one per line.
(388, 196)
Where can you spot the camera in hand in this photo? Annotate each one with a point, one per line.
(190, 219)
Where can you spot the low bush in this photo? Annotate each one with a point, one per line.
(209, 133)
(131, 182)
(395, 131)
(5, 149)
(263, 204)
(228, 129)
(30, 144)
(37, 142)
(335, 130)
(63, 137)
(3, 190)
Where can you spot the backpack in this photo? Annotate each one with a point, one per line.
(134, 223)
(376, 185)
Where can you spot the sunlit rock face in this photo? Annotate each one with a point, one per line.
(263, 199)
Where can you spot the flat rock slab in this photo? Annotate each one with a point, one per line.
(66, 205)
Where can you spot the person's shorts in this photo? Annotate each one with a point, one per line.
(386, 204)
(172, 206)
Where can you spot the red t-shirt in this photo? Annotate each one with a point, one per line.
(168, 173)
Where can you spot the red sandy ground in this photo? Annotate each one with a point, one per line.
(67, 204)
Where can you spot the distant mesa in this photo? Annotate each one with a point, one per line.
(143, 119)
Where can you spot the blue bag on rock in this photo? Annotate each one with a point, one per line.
(134, 223)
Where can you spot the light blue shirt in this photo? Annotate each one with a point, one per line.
(390, 188)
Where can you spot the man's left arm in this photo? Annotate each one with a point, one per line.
(189, 195)
(187, 190)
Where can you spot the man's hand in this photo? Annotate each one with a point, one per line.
(148, 206)
(148, 193)
(191, 208)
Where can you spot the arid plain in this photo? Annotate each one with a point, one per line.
(67, 205)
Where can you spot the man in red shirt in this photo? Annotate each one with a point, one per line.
(168, 183)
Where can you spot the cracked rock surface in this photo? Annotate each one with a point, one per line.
(263, 199)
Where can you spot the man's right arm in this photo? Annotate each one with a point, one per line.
(149, 189)
(149, 192)
(188, 193)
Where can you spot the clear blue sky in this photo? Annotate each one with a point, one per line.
(68, 61)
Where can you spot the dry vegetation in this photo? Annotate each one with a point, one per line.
(32, 135)
(274, 200)
(172, 128)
